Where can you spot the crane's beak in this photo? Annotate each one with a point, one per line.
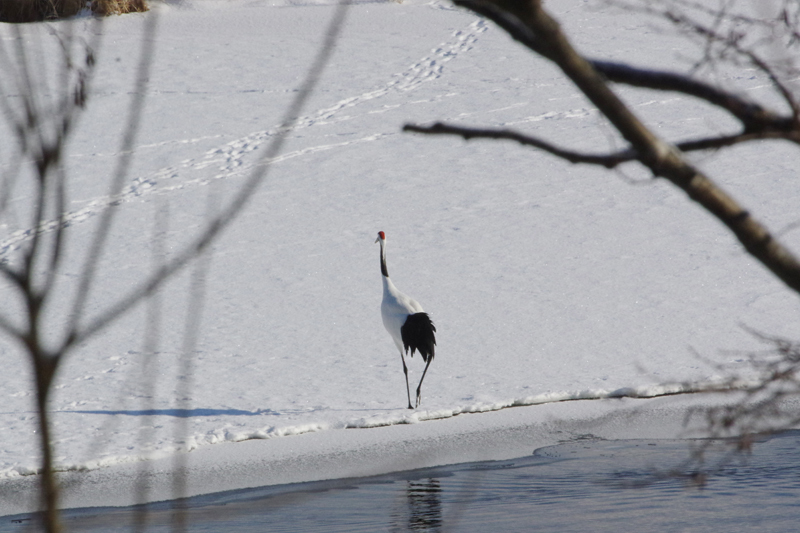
(376, 240)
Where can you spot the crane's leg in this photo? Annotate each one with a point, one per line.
(405, 371)
(419, 388)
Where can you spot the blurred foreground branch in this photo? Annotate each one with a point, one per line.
(41, 124)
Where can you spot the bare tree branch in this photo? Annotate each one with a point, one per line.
(120, 173)
(753, 116)
(733, 41)
(726, 34)
(42, 130)
(606, 160)
(530, 24)
(10, 328)
(609, 160)
(761, 406)
(714, 143)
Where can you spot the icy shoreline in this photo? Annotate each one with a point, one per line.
(344, 453)
(401, 417)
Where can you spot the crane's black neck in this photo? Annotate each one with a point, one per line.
(384, 270)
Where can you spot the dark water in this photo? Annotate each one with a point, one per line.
(588, 485)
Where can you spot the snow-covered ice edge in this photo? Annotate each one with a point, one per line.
(393, 419)
(644, 391)
(502, 434)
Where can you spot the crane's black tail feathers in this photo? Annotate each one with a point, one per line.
(418, 334)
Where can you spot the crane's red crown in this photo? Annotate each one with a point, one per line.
(382, 235)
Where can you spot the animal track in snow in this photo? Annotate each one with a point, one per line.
(426, 69)
(230, 158)
(552, 115)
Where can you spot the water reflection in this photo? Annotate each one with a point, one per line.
(424, 505)
(576, 486)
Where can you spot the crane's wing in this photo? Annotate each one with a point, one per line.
(418, 334)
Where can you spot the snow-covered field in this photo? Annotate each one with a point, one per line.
(545, 281)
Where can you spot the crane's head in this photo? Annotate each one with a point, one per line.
(381, 236)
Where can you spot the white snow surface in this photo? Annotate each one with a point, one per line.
(546, 281)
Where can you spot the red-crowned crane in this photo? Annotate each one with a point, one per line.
(406, 322)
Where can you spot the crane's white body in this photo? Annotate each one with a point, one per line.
(395, 309)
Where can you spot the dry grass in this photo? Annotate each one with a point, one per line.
(38, 10)
(118, 7)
